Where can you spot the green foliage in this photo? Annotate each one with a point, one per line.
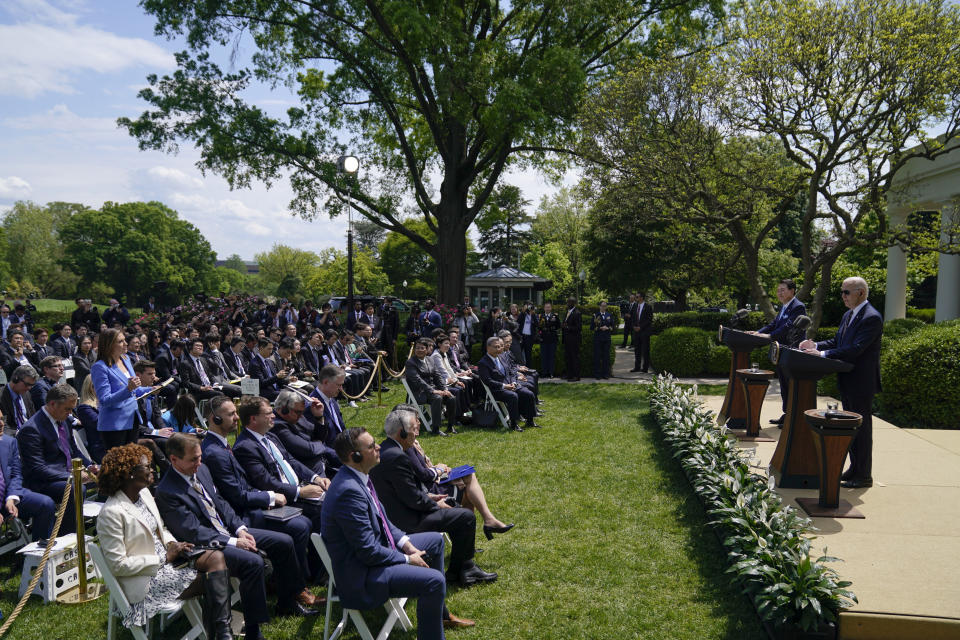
(130, 246)
(235, 262)
(402, 259)
(682, 351)
(330, 277)
(926, 315)
(707, 320)
(767, 542)
(896, 329)
(562, 222)
(35, 251)
(442, 97)
(920, 378)
(503, 226)
(551, 261)
(284, 270)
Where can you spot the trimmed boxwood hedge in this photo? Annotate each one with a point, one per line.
(920, 373)
(682, 351)
(707, 320)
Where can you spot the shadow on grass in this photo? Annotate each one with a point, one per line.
(720, 590)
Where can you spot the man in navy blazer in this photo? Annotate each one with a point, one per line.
(330, 382)
(47, 450)
(372, 559)
(270, 467)
(779, 330)
(303, 439)
(495, 375)
(248, 502)
(17, 501)
(858, 342)
(194, 511)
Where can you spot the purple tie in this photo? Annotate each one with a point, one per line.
(3, 489)
(64, 443)
(383, 518)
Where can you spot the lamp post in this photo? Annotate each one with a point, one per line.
(404, 289)
(349, 165)
(583, 276)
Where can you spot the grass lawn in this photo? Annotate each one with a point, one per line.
(53, 304)
(610, 541)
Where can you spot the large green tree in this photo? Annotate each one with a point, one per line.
(35, 251)
(439, 98)
(284, 270)
(130, 246)
(504, 226)
(330, 277)
(852, 90)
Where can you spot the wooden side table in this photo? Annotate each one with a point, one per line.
(832, 437)
(754, 384)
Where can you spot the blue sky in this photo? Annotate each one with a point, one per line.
(68, 70)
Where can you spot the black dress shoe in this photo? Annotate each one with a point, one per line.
(539, 413)
(295, 609)
(516, 427)
(635, 370)
(385, 389)
(778, 420)
(539, 401)
(857, 483)
(471, 575)
(451, 431)
(489, 531)
(440, 433)
(847, 475)
(532, 425)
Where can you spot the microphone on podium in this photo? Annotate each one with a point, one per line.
(738, 318)
(799, 330)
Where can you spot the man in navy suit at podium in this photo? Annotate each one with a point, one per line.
(858, 342)
(779, 330)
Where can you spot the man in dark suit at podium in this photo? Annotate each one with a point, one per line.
(858, 342)
(779, 330)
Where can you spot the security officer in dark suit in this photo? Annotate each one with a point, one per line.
(858, 342)
(641, 319)
(602, 327)
(572, 330)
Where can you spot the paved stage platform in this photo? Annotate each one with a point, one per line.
(903, 558)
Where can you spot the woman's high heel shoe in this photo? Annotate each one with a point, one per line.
(489, 531)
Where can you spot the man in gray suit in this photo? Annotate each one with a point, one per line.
(428, 387)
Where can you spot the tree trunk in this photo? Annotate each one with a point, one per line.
(751, 260)
(826, 272)
(450, 251)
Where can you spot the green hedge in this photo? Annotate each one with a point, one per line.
(920, 373)
(926, 315)
(47, 319)
(682, 351)
(707, 320)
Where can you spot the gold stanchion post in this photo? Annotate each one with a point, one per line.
(380, 379)
(83, 592)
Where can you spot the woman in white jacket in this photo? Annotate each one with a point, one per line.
(152, 567)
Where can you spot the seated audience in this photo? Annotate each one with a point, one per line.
(331, 380)
(494, 375)
(269, 465)
(47, 451)
(194, 511)
(249, 503)
(262, 369)
(182, 417)
(51, 370)
(428, 387)
(15, 401)
(152, 567)
(372, 559)
(89, 415)
(466, 490)
(304, 439)
(63, 345)
(16, 501)
(410, 505)
(195, 376)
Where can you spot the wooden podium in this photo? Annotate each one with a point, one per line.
(754, 384)
(795, 461)
(833, 433)
(734, 410)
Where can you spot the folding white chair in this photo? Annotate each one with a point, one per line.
(119, 605)
(80, 440)
(420, 409)
(394, 606)
(492, 404)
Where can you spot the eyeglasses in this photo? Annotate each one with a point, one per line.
(848, 292)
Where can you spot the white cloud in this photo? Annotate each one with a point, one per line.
(61, 119)
(257, 229)
(174, 176)
(14, 186)
(44, 53)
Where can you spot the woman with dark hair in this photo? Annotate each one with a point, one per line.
(152, 567)
(412, 328)
(153, 344)
(328, 319)
(83, 361)
(88, 415)
(183, 416)
(118, 388)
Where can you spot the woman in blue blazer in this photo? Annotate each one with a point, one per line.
(118, 388)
